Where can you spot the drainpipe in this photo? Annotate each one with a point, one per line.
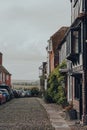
(84, 85)
(84, 116)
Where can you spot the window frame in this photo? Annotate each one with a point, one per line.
(75, 2)
(76, 39)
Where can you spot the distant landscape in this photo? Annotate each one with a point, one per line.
(18, 84)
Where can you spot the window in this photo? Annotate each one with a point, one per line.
(4, 77)
(86, 5)
(68, 44)
(50, 45)
(76, 41)
(7, 77)
(0, 76)
(75, 1)
(69, 88)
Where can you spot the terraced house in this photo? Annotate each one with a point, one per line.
(56, 54)
(5, 76)
(71, 44)
(52, 56)
(76, 51)
(53, 53)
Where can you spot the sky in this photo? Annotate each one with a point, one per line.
(25, 27)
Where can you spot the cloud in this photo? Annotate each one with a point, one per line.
(25, 27)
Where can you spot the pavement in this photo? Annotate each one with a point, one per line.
(56, 116)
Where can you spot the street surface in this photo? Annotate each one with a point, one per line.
(24, 114)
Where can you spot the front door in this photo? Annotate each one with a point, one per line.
(78, 92)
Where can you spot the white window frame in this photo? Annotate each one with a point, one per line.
(50, 45)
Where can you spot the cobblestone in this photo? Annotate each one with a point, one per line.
(24, 114)
(78, 127)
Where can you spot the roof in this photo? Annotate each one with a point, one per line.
(58, 37)
(3, 69)
(0, 53)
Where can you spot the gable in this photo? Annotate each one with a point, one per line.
(58, 37)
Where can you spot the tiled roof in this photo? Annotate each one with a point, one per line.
(58, 37)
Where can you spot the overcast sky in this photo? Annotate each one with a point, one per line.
(25, 27)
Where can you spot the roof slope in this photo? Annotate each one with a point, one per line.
(58, 37)
(3, 69)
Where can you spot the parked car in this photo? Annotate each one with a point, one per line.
(16, 93)
(23, 93)
(3, 86)
(27, 93)
(2, 98)
(5, 93)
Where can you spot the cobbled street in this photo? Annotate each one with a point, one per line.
(24, 114)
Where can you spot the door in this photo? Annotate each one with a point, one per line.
(78, 92)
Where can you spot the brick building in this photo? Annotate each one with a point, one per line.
(5, 76)
(53, 43)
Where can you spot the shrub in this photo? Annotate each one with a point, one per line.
(56, 91)
(61, 95)
(34, 91)
(48, 97)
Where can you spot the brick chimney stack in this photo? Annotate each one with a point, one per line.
(0, 58)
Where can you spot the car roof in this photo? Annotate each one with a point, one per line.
(5, 87)
(1, 89)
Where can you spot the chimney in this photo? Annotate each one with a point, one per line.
(0, 58)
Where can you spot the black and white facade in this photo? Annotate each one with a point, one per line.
(76, 53)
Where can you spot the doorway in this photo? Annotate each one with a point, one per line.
(78, 92)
